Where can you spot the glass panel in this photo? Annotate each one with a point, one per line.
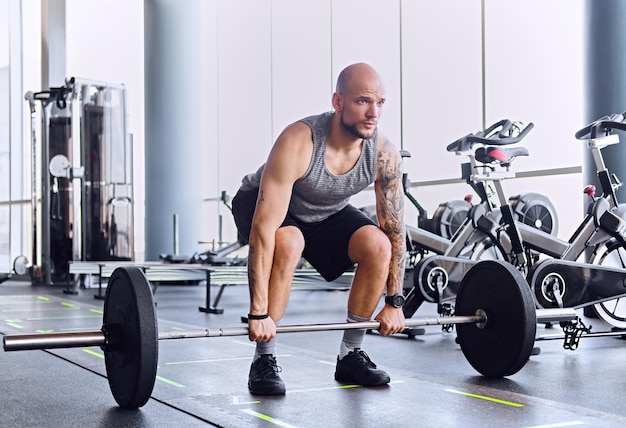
(4, 136)
(4, 101)
(108, 195)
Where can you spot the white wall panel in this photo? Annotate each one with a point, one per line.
(534, 74)
(302, 81)
(441, 91)
(5, 158)
(4, 33)
(441, 80)
(245, 89)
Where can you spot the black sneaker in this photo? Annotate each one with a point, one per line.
(357, 368)
(263, 378)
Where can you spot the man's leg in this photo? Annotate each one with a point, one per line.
(333, 247)
(287, 255)
(264, 378)
(370, 248)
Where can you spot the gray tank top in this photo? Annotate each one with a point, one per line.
(319, 193)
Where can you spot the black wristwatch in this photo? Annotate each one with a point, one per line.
(397, 300)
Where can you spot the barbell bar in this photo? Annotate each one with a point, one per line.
(26, 342)
(495, 317)
(80, 339)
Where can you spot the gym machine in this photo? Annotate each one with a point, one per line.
(82, 192)
(554, 270)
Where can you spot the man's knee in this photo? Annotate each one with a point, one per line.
(368, 244)
(289, 243)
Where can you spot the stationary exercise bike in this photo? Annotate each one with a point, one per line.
(436, 278)
(560, 280)
(564, 282)
(533, 209)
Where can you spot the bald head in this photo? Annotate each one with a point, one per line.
(358, 101)
(356, 74)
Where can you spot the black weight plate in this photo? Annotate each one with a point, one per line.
(131, 327)
(505, 343)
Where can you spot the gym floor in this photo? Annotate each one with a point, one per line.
(202, 382)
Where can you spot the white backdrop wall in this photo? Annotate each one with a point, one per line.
(431, 56)
(267, 63)
(534, 63)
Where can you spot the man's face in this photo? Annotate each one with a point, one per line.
(361, 109)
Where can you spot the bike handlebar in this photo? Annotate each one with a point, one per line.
(506, 134)
(604, 125)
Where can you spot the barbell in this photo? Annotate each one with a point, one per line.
(495, 317)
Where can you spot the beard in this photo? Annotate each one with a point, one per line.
(352, 129)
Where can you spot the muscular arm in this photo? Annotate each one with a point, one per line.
(390, 210)
(287, 161)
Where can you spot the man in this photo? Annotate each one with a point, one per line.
(297, 205)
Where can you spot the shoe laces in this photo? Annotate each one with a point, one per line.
(267, 365)
(359, 352)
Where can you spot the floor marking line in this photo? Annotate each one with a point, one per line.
(327, 388)
(18, 297)
(61, 318)
(44, 298)
(268, 418)
(36, 310)
(170, 382)
(559, 424)
(236, 401)
(484, 397)
(92, 352)
(14, 325)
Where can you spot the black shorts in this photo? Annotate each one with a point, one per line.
(326, 242)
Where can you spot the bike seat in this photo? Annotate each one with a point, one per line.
(499, 155)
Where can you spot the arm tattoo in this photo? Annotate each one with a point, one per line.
(391, 210)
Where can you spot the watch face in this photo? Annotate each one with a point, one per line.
(398, 300)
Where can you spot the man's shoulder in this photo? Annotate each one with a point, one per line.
(297, 129)
(383, 142)
(386, 149)
(316, 120)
